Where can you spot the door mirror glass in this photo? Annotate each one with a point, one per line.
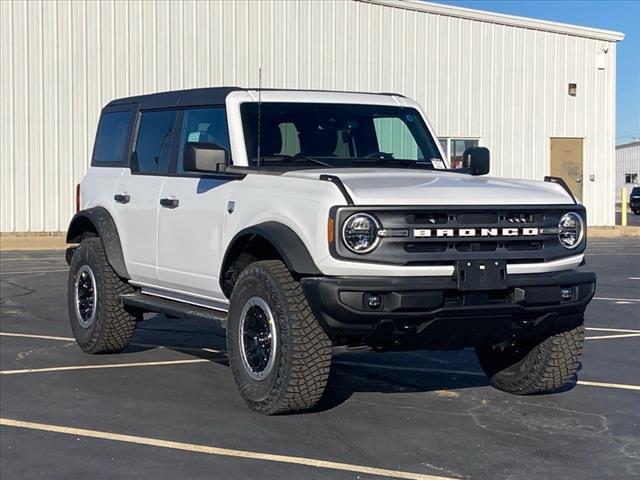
(477, 159)
(205, 157)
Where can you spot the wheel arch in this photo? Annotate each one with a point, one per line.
(98, 222)
(267, 241)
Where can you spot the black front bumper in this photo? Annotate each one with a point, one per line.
(431, 312)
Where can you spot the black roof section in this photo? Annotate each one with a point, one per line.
(201, 96)
(175, 98)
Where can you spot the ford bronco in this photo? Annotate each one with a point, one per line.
(302, 220)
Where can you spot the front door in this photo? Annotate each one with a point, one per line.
(192, 218)
(566, 163)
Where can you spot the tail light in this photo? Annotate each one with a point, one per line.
(77, 198)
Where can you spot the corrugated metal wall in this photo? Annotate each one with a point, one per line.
(627, 161)
(61, 61)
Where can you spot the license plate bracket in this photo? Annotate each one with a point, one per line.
(478, 275)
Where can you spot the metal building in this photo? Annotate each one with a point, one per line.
(627, 167)
(539, 94)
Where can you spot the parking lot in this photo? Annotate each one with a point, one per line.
(168, 407)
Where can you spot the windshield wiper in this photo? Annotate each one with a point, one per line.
(400, 162)
(287, 158)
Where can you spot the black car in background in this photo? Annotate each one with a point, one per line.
(634, 200)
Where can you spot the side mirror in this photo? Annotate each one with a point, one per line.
(477, 159)
(205, 157)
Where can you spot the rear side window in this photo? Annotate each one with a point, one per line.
(153, 145)
(111, 139)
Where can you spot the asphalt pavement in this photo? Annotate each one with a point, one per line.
(168, 407)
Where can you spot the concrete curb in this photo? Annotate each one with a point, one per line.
(25, 241)
(617, 231)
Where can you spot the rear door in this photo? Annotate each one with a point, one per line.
(137, 194)
(192, 217)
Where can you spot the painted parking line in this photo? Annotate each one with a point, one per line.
(30, 259)
(219, 451)
(148, 345)
(475, 374)
(611, 299)
(96, 367)
(617, 330)
(41, 337)
(335, 362)
(610, 254)
(33, 271)
(621, 386)
(608, 337)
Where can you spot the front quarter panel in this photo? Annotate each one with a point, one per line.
(303, 205)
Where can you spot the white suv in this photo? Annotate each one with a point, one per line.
(305, 219)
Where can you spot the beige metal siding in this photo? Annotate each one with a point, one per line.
(505, 84)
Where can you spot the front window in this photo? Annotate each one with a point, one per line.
(311, 135)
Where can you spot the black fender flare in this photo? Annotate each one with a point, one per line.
(287, 243)
(100, 221)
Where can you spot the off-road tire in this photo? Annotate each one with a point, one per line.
(303, 353)
(542, 367)
(113, 326)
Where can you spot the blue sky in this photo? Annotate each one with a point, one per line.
(621, 16)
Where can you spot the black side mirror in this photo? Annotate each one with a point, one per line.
(477, 159)
(205, 157)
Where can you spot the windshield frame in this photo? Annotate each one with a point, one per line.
(236, 100)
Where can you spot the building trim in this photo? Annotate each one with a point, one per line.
(501, 19)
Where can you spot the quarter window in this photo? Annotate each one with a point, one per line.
(111, 138)
(153, 146)
(203, 125)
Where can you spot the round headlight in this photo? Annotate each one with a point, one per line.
(570, 230)
(360, 233)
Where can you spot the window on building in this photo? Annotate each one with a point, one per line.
(455, 147)
(205, 125)
(630, 178)
(153, 146)
(111, 138)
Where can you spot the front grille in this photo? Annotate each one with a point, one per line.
(440, 236)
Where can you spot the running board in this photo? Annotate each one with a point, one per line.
(149, 303)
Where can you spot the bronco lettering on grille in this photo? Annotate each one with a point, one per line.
(475, 232)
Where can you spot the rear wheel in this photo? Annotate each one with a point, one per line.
(535, 367)
(278, 352)
(98, 319)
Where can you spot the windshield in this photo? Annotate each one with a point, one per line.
(312, 135)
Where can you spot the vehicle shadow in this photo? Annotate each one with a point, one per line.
(352, 371)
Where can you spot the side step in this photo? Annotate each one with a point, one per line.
(149, 303)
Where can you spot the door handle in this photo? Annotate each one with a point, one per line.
(169, 202)
(122, 198)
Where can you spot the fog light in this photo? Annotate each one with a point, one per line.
(566, 293)
(373, 301)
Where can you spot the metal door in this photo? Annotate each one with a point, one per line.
(566, 163)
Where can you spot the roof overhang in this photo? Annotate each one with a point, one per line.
(501, 19)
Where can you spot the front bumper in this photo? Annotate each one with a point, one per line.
(430, 312)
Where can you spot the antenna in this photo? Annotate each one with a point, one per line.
(259, 108)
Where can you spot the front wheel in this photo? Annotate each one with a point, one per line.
(278, 352)
(537, 367)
